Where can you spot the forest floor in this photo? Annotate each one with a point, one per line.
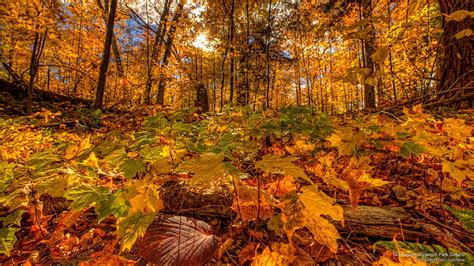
(264, 188)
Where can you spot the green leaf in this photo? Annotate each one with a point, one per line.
(273, 164)
(276, 224)
(7, 239)
(54, 185)
(466, 216)
(116, 157)
(85, 196)
(208, 167)
(155, 153)
(14, 200)
(113, 204)
(130, 228)
(13, 218)
(6, 174)
(409, 148)
(42, 159)
(131, 167)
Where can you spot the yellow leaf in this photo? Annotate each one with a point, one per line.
(146, 198)
(455, 172)
(282, 186)
(457, 129)
(273, 164)
(463, 33)
(316, 203)
(208, 167)
(92, 161)
(280, 254)
(246, 204)
(459, 15)
(71, 151)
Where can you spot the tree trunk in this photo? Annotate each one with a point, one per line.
(38, 46)
(157, 43)
(456, 66)
(99, 96)
(369, 49)
(232, 10)
(267, 55)
(167, 53)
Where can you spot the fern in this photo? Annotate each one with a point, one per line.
(465, 216)
(431, 253)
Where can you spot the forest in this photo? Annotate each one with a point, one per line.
(236, 132)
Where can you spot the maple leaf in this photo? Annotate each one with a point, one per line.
(144, 197)
(178, 240)
(346, 141)
(453, 168)
(208, 167)
(13, 218)
(7, 239)
(358, 179)
(246, 204)
(92, 161)
(273, 164)
(84, 196)
(457, 129)
(116, 157)
(282, 186)
(131, 167)
(280, 254)
(316, 204)
(130, 228)
(408, 148)
(112, 204)
(7, 173)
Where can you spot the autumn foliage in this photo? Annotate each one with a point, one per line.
(242, 132)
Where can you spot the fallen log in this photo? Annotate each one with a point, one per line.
(382, 222)
(19, 88)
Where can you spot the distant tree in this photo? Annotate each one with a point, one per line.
(166, 55)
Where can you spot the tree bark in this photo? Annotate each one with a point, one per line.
(168, 47)
(369, 49)
(99, 96)
(232, 25)
(38, 46)
(157, 43)
(267, 55)
(456, 66)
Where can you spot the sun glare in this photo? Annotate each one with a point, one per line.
(202, 42)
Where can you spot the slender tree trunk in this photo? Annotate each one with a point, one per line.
(456, 68)
(38, 46)
(267, 55)
(168, 48)
(99, 96)
(115, 49)
(157, 43)
(369, 49)
(232, 59)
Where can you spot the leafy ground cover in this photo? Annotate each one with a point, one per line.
(263, 188)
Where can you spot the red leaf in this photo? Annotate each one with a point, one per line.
(178, 240)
